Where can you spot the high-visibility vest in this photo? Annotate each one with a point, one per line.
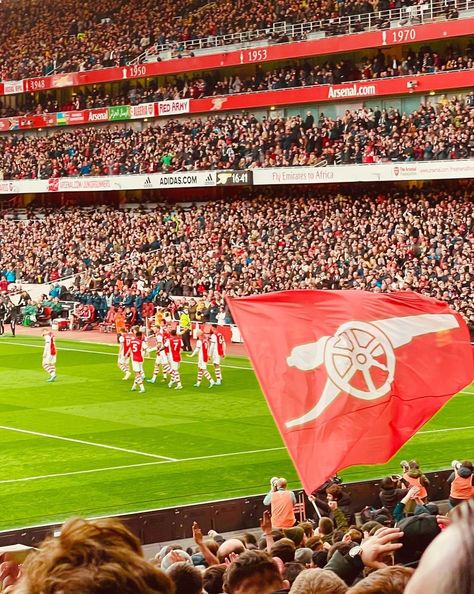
(461, 488)
(283, 515)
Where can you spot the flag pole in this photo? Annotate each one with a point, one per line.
(316, 508)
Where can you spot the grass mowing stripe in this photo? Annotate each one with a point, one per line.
(175, 460)
(167, 461)
(88, 443)
(92, 352)
(91, 402)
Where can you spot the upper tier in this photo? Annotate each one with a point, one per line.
(44, 39)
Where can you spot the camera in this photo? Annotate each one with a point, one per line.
(405, 466)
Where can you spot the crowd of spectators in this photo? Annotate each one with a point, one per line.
(332, 553)
(378, 240)
(365, 135)
(295, 75)
(45, 37)
(39, 38)
(304, 74)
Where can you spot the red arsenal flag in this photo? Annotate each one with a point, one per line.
(350, 376)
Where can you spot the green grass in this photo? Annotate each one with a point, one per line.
(213, 433)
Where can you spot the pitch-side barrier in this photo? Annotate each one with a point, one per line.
(227, 515)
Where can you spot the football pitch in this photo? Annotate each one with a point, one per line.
(87, 445)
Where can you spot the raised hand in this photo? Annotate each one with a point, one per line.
(379, 545)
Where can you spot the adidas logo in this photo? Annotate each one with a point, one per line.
(209, 179)
(148, 183)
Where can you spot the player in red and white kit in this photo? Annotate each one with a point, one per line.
(125, 339)
(174, 344)
(217, 352)
(137, 347)
(49, 355)
(162, 356)
(202, 350)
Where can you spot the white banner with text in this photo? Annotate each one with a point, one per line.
(378, 172)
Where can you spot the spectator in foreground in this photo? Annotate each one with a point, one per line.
(254, 572)
(186, 578)
(447, 567)
(213, 579)
(390, 580)
(316, 581)
(91, 557)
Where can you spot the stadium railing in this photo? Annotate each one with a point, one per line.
(379, 20)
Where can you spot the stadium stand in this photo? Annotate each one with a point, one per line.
(378, 64)
(432, 132)
(78, 38)
(136, 262)
(376, 240)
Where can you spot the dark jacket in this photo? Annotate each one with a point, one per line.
(346, 567)
(390, 497)
(344, 505)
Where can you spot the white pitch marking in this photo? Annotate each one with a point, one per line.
(163, 459)
(445, 430)
(89, 443)
(61, 348)
(169, 461)
(180, 460)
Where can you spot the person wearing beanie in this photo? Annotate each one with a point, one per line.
(447, 565)
(418, 533)
(303, 556)
(295, 534)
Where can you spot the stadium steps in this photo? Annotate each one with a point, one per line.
(152, 549)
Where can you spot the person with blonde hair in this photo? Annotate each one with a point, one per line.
(389, 580)
(316, 581)
(91, 557)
